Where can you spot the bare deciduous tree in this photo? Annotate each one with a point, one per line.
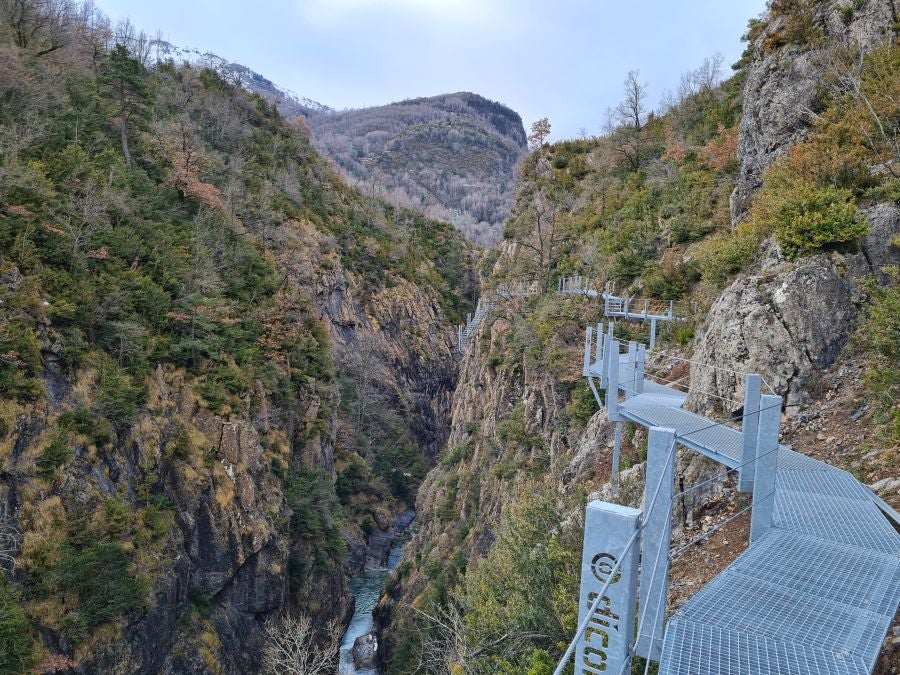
(294, 647)
(626, 121)
(447, 648)
(540, 230)
(10, 539)
(40, 25)
(540, 130)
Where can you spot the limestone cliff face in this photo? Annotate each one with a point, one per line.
(225, 550)
(789, 320)
(227, 558)
(783, 81)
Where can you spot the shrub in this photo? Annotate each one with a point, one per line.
(117, 396)
(582, 406)
(21, 361)
(55, 455)
(454, 454)
(809, 218)
(15, 645)
(100, 577)
(880, 334)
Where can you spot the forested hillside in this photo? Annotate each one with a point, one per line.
(193, 457)
(766, 206)
(453, 157)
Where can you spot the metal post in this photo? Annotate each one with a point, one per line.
(766, 467)
(657, 536)
(749, 431)
(639, 369)
(604, 647)
(616, 459)
(652, 334)
(588, 334)
(646, 308)
(671, 309)
(598, 354)
(612, 382)
(631, 362)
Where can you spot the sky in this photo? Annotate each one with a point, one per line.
(563, 59)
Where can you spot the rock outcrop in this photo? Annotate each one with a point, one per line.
(783, 81)
(788, 320)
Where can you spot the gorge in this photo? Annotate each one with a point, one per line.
(229, 368)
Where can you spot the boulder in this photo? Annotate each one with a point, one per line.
(365, 651)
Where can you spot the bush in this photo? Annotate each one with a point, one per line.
(582, 406)
(55, 455)
(809, 218)
(21, 361)
(100, 577)
(117, 396)
(15, 645)
(722, 255)
(454, 454)
(880, 335)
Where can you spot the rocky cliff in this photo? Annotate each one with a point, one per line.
(222, 371)
(792, 50)
(768, 283)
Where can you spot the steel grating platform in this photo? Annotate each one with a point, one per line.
(844, 521)
(695, 649)
(807, 564)
(721, 443)
(814, 595)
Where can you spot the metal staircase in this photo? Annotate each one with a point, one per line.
(816, 590)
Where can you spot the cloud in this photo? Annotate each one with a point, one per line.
(460, 11)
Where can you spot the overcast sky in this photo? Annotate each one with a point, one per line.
(564, 59)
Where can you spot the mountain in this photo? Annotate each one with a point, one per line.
(453, 157)
(223, 372)
(289, 104)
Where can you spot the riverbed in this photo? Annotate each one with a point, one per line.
(367, 589)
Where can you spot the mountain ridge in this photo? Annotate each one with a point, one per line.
(408, 152)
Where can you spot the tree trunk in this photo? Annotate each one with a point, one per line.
(124, 128)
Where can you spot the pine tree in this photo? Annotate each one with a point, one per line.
(123, 76)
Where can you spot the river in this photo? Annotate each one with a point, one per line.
(367, 589)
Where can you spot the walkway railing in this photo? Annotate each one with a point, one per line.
(779, 607)
(621, 307)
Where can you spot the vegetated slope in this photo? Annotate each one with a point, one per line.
(453, 157)
(221, 369)
(803, 290)
(289, 104)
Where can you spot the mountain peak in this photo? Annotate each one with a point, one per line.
(289, 104)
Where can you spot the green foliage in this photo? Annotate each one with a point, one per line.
(118, 396)
(582, 406)
(880, 334)
(15, 642)
(453, 455)
(808, 218)
(527, 584)
(20, 360)
(55, 455)
(314, 510)
(101, 579)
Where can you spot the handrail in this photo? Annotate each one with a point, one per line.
(583, 626)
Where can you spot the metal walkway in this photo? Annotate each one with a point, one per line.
(619, 307)
(817, 589)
